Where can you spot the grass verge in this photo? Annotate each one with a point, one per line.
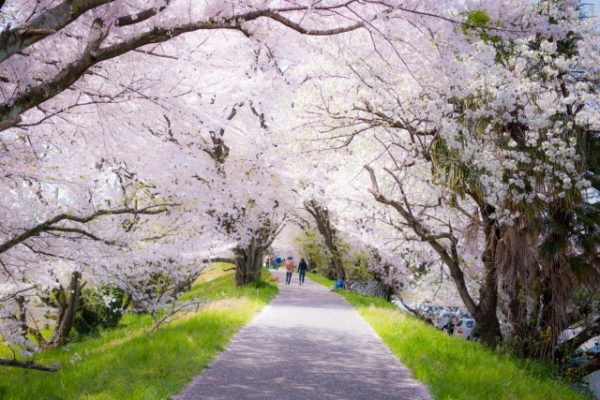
(128, 363)
(451, 367)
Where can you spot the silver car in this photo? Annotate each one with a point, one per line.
(442, 319)
(465, 328)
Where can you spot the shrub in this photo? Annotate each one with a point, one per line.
(99, 308)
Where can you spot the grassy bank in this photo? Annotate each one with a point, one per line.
(451, 367)
(128, 363)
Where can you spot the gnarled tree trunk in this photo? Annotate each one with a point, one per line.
(67, 312)
(485, 314)
(329, 233)
(248, 263)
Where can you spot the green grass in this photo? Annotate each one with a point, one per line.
(128, 363)
(321, 279)
(451, 367)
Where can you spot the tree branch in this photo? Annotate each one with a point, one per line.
(48, 225)
(141, 16)
(81, 232)
(93, 54)
(450, 259)
(15, 294)
(51, 21)
(28, 365)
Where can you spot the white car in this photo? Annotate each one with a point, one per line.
(465, 328)
(442, 319)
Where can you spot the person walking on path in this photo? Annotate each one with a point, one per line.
(302, 268)
(289, 268)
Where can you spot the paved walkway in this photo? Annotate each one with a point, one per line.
(308, 343)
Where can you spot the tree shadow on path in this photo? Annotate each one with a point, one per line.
(309, 343)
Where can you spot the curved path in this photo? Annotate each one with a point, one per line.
(308, 343)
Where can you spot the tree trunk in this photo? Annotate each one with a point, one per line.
(248, 264)
(517, 315)
(336, 261)
(487, 319)
(488, 326)
(388, 290)
(558, 280)
(126, 301)
(489, 329)
(22, 319)
(64, 324)
(21, 315)
(329, 233)
(485, 316)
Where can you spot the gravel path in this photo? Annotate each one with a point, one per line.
(308, 343)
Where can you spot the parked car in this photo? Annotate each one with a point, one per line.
(594, 348)
(466, 328)
(583, 355)
(442, 319)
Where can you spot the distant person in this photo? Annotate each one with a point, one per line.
(278, 262)
(267, 263)
(302, 268)
(289, 268)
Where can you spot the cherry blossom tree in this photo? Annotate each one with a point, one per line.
(84, 222)
(48, 47)
(131, 149)
(487, 140)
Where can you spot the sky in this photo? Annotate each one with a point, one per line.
(594, 6)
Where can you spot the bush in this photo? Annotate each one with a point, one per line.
(356, 264)
(98, 308)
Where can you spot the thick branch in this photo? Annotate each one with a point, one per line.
(51, 21)
(141, 16)
(36, 95)
(312, 32)
(28, 365)
(48, 225)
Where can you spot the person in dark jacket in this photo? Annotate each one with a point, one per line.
(302, 268)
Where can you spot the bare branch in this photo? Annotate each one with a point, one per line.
(15, 294)
(28, 365)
